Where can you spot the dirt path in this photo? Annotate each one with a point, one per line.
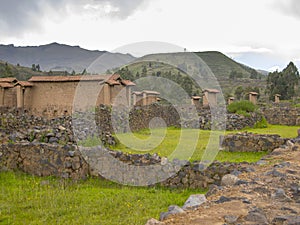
(268, 195)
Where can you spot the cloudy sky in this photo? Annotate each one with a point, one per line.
(261, 33)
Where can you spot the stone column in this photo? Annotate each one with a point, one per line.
(144, 98)
(20, 96)
(106, 93)
(1, 96)
(128, 95)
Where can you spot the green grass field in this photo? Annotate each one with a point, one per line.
(28, 199)
(163, 142)
(32, 200)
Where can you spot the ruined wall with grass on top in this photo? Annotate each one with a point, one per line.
(249, 142)
(67, 162)
(282, 114)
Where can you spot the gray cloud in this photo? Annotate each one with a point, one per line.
(124, 8)
(17, 17)
(289, 7)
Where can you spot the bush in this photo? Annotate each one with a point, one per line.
(263, 123)
(245, 106)
(244, 113)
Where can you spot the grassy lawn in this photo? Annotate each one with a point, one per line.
(164, 142)
(283, 131)
(32, 200)
(28, 199)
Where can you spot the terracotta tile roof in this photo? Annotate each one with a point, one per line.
(114, 79)
(68, 78)
(253, 93)
(24, 83)
(151, 92)
(196, 97)
(6, 85)
(137, 93)
(211, 90)
(112, 82)
(127, 83)
(8, 80)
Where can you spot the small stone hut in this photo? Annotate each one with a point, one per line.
(253, 97)
(210, 97)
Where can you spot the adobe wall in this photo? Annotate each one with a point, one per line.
(62, 96)
(10, 97)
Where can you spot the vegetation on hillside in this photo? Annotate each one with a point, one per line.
(284, 83)
(228, 72)
(20, 72)
(242, 93)
(241, 106)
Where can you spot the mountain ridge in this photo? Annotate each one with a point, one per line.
(64, 57)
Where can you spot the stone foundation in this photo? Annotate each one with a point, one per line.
(67, 162)
(249, 142)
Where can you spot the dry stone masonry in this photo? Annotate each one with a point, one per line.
(249, 142)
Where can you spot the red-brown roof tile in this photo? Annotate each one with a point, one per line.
(24, 83)
(6, 85)
(151, 92)
(253, 93)
(8, 80)
(68, 78)
(211, 90)
(196, 97)
(127, 83)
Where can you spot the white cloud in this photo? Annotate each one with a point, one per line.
(234, 27)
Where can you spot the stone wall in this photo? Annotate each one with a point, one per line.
(249, 142)
(67, 162)
(138, 117)
(44, 160)
(282, 114)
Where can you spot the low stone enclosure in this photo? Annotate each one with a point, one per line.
(67, 162)
(46, 147)
(249, 142)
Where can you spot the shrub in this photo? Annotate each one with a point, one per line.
(244, 113)
(263, 123)
(244, 105)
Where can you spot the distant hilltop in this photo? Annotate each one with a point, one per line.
(61, 57)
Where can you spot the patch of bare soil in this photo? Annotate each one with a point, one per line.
(268, 195)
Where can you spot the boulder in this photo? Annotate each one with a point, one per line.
(194, 201)
(229, 180)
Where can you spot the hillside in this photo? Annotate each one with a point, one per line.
(62, 57)
(57, 57)
(229, 73)
(20, 72)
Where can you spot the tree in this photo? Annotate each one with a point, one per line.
(7, 71)
(253, 74)
(239, 93)
(84, 72)
(234, 74)
(144, 71)
(38, 68)
(284, 82)
(187, 85)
